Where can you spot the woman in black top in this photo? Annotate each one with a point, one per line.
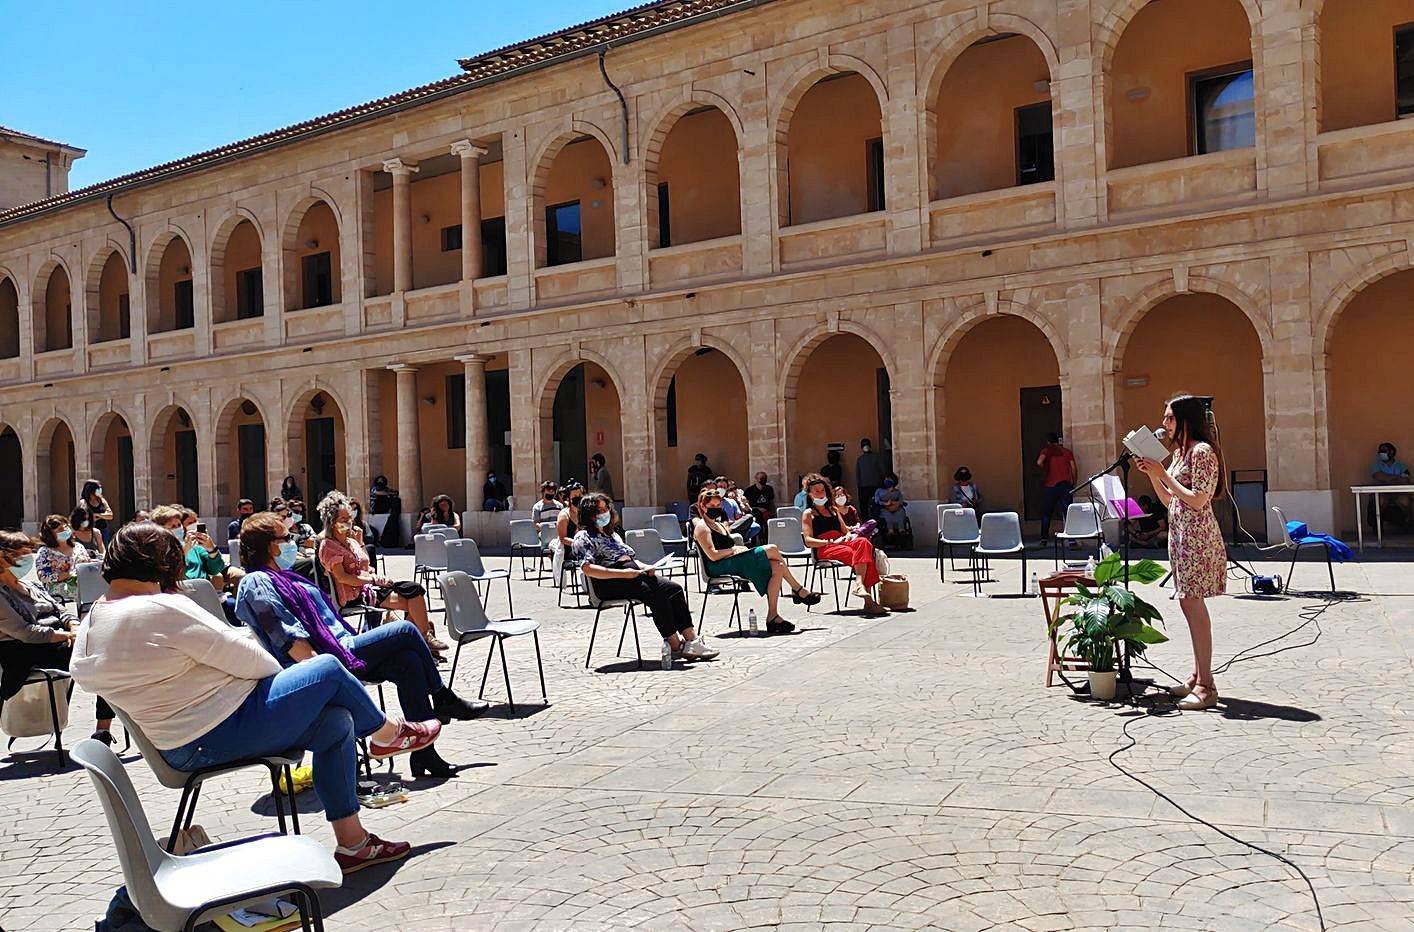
(832, 539)
(290, 489)
(99, 511)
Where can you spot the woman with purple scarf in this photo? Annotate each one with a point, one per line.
(296, 621)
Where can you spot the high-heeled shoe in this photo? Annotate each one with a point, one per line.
(428, 763)
(809, 598)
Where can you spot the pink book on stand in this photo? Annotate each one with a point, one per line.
(1127, 508)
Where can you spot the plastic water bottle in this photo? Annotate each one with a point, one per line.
(667, 654)
(1035, 584)
(1105, 550)
(751, 623)
(1090, 566)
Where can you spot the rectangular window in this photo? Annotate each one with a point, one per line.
(125, 317)
(1223, 108)
(563, 240)
(250, 294)
(456, 411)
(493, 247)
(665, 223)
(1404, 69)
(874, 155)
(673, 412)
(452, 238)
(186, 307)
(318, 279)
(1035, 149)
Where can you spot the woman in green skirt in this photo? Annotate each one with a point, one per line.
(763, 567)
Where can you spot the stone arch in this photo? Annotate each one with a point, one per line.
(93, 294)
(11, 346)
(668, 119)
(798, 354)
(1162, 290)
(221, 284)
(120, 493)
(42, 320)
(974, 314)
(227, 456)
(161, 309)
(184, 485)
(48, 499)
(540, 173)
(1347, 291)
(294, 249)
(956, 42)
(556, 372)
(302, 405)
(672, 360)
(1110, 29)
(12, 459)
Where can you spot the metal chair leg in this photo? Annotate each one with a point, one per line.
(456, 655)
(539, 666)
(277, 796)
(505, 671)
(294, 806)
(481, 693)
(593, 631)
(54, 719)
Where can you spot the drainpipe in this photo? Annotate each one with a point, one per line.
(623, 104)
(132, 237)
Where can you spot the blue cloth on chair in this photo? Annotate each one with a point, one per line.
(1301, 534)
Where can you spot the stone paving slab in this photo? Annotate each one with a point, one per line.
(911, 772)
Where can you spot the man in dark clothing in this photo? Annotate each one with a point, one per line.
(244, 509)
(494, 493)
(868, 475)
(832, 469)
(698, 475)
(762, 499)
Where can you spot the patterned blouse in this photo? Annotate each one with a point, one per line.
(354, 559)
(606, 550)
(56, 570)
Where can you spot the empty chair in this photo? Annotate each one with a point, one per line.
(526, 542)
(467, 621)
(630, 619)
(957, 527)
(648, 545)
(233, 552)
(1082, 522)
(999, 535)
(204, 594)
(92, 585)
(444, 532)
(175, 893)
(788, 536)
(190, 781)
(464, 556)
(680, 511)
(1296, 544)
(670, 533)
(789, 511)
(429, 557)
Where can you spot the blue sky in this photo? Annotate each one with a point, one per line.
(141, 83)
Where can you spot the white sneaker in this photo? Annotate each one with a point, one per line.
(698, 650)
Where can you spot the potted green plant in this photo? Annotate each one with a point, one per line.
(1104, 616)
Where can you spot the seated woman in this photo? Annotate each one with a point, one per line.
(57, 562)
(565, 525)
(845, 503)
(441, 512)
(35, 633)
(965, 491)
(304, 546)
(611, 563)
(297, 623)
(832, 539)
(344, 558)
(763, 567)
(81, 521)
(208, 694)
(738, 519)
(203, 559)
(890, 505)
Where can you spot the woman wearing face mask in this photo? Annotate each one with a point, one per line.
(442, 512)
(890, 505)
(298, 624)
(99, 511)
(617, 574)
(567, 524)
(84, 532)
(344, 558)
(832, 539)
(763, 567)
(300, 529)
(201, 557)
(845, 504)
(965, 491)
(35, 633)
(57, 562)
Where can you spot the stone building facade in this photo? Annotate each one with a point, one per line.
(752, 229)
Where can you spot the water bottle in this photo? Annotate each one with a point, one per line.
(1035, 584)
(1105, 550)
(667, 654)
(751, 623)
(1090, 566)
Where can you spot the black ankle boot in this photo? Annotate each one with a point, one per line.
(447, 705)
(428, 763)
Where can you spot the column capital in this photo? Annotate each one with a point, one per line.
(468, 149)
(473, 359)
(399, 167)
(400, 367)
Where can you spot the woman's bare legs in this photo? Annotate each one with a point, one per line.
(416, 610)
(1200, 632)
(773, 553)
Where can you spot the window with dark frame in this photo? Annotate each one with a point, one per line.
(250, 294)
(564, 242)
(493, 247)
(1404, 70)
(318, 279)
(456, 411)
(1223, 106)
(672, 412)
(125, 317)
(452, 238)
(874, 156)
(185, 305)
(665, 223)
(1035, 144)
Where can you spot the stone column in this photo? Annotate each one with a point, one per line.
(478, 444)
(526, 426)
(470, 154)
(409, 445)
(402, 224)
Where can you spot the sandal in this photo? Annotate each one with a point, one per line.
(1195, 703)
(809, 598)
(1183, 689)
(778, 625)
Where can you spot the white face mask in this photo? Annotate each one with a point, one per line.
(819, 502)
(841, 500)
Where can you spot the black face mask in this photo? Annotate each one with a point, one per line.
(549, 496)
(716, 514)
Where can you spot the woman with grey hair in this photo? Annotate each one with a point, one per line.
(342, 554)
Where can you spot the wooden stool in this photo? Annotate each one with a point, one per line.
(1054, 588)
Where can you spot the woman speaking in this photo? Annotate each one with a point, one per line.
(1196, 550)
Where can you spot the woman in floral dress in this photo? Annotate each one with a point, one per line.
(1196, 551)
(56, 564)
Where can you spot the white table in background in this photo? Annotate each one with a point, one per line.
(1377, 491)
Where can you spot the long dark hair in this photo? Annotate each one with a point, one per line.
(438, 513)
(587, 518)
(89, 487)
(1193, 422)
(813, 479)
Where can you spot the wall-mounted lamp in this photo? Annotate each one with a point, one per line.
(598, 184)
(424, 218)
(1137, 93)
(429, 399)
(311, 244)
(184, 270)
(1042, 86)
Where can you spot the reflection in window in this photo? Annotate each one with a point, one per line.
(1035, 150)
(563, 240)
(1224, 110)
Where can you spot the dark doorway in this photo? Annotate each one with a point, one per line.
(125, 501)
(186, 469)
(12, 508)
(250, 444)
(569, 432)
(320, 471)
(498, 422)
(1040, 415)
(884, 400)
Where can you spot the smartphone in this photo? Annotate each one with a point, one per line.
(201, 527)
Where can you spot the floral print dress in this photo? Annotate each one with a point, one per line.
(1196, 547)
(57, 570)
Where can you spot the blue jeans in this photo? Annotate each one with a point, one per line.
(397, 652)
(315, 705)
(1058, 494)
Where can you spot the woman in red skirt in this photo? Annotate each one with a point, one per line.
(828, 534)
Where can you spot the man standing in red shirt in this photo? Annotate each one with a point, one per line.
(1057, 464)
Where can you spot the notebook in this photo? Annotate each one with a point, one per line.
(1142, 442)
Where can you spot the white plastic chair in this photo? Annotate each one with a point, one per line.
(630, 619)
(92, 585)
(670, 533)
(649, 547)
(787, 535)
(467, 621)
(526, 542)
(1082, 522)
(204, 594)
(464, 556)
(1290, 543)
(429, 557)
(790, 511)
(957, 527)
(175, 893)
(233, 552)
(999, 535)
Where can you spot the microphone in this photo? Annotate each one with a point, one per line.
(1163, 434)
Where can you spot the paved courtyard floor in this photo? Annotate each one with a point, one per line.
(909, 772)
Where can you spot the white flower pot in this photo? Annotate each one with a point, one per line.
(1102, 685)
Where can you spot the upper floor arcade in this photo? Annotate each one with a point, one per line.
(931, 126)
